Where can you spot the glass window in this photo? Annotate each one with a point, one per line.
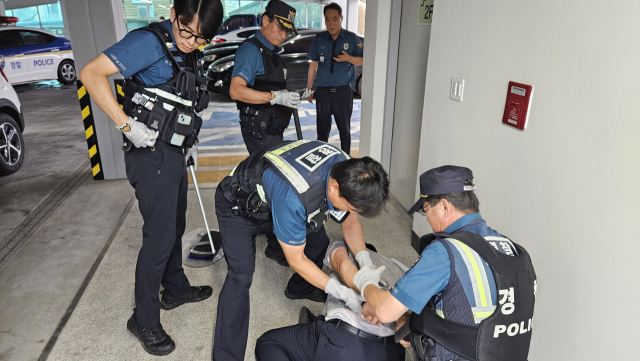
(51, 18)
(30, 38)
(9, 39)
(27, 17)
(298, 45)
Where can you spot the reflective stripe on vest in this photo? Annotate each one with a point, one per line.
(287, 170)
(484, 305)
(172, 97)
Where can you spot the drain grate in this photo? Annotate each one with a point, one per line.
(13, 242)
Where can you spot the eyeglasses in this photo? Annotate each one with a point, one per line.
(186, 34)
(422, 211)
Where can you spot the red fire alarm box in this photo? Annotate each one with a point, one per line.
(516, 111)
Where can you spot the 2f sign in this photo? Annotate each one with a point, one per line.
(426, 12)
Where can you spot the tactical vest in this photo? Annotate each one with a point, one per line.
(301, 164)
(261, 119)
(170, 108)
(460, 326)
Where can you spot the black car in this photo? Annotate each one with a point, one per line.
(294, 55)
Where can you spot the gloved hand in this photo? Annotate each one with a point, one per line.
(192, 153)
(308, 94)
(286, 98)
(364, 259)
(349, 296)
(138, 133)
(368, 275)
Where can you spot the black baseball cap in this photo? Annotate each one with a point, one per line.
(284, 13)
(443, 180)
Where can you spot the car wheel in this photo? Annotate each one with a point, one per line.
(11, 145)
(359, 87)
(67, 72)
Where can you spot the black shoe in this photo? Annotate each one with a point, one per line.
(305, 316)
(371, 247)
(276, 254)
(153, 339)
(316, 295)
(196, 294)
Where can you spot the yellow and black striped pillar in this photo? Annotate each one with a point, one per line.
(90, 131)
(119, 83)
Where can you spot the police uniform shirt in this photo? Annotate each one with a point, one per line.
(288, 213)
(330, 72)
(140, 53)
(248, 60)
(430, 275)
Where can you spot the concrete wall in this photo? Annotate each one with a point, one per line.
(409, 96)
(567, 187)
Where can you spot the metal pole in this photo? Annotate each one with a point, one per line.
(239, 7)
(39, 20)
(306, 15)
(148, 14)
(124, 15)
(296, 120)
(206, 224)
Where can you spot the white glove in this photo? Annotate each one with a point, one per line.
(344, 293)
(286, 98)
(307, 93)
(364, 259)
(368, 275)
(192, 153)
(138, 133)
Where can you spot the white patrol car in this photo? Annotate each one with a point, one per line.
(29, 55)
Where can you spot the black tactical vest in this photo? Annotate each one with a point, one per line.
(503, 336)
(262, 119)
(170, 108)
(299, 163)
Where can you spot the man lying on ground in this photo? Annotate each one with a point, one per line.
(339, 333)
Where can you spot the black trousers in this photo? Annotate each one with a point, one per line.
(238, 241)
(256, 145)
(323, 341)
(339, 103)
(159, 178)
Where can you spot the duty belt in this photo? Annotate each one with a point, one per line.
(347, 327)
(335, 89)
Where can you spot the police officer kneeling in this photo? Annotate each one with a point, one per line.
(291, 189)
(259, 80)
(164, 89)
(472, 292)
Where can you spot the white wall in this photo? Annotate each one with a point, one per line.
(407, 120)
(567, 187)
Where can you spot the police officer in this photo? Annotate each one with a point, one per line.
(334, 53)
(472, 292)
(292, 189)
(164, 89)
(259, 84)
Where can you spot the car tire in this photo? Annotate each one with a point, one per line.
(11, 145)
(67, 72)
(359, 86)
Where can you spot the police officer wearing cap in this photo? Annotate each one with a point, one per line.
(164, 89)
(334, 53)
(292, 189)
(472, 291)
(258, 85)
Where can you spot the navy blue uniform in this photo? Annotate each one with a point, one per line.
(334, 94)
(248, 65)
(159, 177)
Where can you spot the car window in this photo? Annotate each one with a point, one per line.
(246, 34)
(299, 45)
(30, 38)
(9, 39)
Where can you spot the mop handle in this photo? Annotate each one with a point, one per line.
(195, 183)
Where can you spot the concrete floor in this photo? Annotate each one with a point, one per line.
(69, 291)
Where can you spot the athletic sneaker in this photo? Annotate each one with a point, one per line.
(153, 339)
(196, 294)
(316, 295)
(276, 254)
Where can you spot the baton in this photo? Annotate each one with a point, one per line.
(195, 183)
(296, 120)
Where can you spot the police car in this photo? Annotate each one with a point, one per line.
(29, 55)
(11, 128)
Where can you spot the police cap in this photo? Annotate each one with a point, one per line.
(443, 180)
(284, 13)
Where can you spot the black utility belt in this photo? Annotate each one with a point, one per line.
(177, 127)
(335, 89)
(358, 332)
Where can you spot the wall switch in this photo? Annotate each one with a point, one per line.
(457, 88)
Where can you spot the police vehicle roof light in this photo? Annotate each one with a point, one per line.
(8, 20)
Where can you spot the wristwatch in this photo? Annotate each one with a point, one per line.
(272, 96)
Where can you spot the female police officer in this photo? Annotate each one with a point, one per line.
(163, 91)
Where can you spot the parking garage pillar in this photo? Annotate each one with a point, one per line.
(94, 25)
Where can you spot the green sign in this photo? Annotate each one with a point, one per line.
(426, 12)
